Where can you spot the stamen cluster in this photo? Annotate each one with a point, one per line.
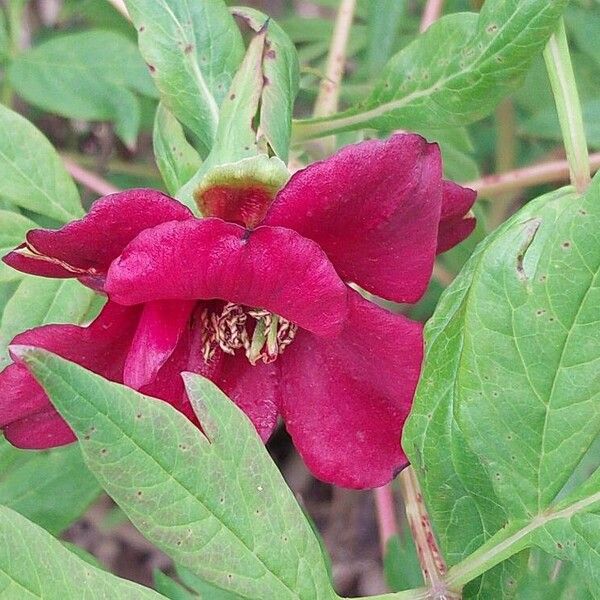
(262, 335)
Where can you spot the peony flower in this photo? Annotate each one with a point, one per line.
(256, 297)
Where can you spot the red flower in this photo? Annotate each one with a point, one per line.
(266, 313)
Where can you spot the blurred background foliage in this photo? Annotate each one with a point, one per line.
(72, 68)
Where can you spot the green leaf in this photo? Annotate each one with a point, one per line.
(459, 494)
(585, 27)
(281, 73)
(170, 588)
(4, 40)
(192, 49)
(176, 159)
(203, 589)
(544, 124)
(505, 410)
(32, 174)
(47, 301)
(532, 395)
(237, 137)
(216, 504)
(12, 233)
(548, 578)
(401, 564)
(90, 75)
(587, 527)
(35, 565)
(383, 24)
(55, 500)
(453, 74)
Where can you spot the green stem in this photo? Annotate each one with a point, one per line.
(568, 106)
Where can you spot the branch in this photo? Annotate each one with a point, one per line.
(90, 180)
(431, 13)
(329, 89)
(548, 172)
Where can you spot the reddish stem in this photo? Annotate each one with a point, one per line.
(556, 170)
(431, 13)
(90, 180)
(386, 515)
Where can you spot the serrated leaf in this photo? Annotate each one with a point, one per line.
(32, 174)
(92, 75)
(12, 233)
(35, 565)
(175, 157)
(53, 500)
(193, 50)
(216, 504)
(453, 74)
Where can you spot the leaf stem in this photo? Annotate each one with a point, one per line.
(431, 560)
(386, 514)
(568, 106)
(546, 172)
(431, 13)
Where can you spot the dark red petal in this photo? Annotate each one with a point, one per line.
(39, 431)
(270, 267)
(160, 327)
(457, 222)
(374, 208)
(25, 410)
(345, 400)
(89, 245)
(253, 388)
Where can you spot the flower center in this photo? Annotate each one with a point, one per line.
(262, 335)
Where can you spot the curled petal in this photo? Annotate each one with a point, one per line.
(26, 414)
(85, 248)
(159, 329)
(269, 267)
(344, 400)
(457, 221)
(374, 208)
